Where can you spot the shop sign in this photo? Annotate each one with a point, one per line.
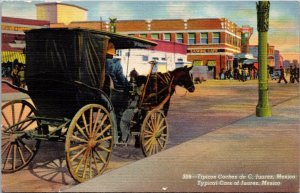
(14, 28)
(206, 50)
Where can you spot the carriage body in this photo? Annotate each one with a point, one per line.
(59, 58)
(65, 76)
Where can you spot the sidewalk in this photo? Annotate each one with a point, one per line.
(261, 152)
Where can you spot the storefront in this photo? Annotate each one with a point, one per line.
(13, 40)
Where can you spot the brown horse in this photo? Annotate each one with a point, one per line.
(161, 86)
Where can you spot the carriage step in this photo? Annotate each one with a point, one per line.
(135, 133)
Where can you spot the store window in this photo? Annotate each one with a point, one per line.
(204, 38)
(155, 58)
(216, 38)
(167, 37)
(198, 63)
(145, 58)
(119, 52)
(143, 35)
(154, 36)
(192, 38)
(211, 63)
(179, 38)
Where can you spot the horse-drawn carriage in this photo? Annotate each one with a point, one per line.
(65, 76)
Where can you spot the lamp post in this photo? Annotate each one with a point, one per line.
(263, 108)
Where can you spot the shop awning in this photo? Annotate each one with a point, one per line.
(10, 56)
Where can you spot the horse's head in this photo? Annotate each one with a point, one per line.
(182, 77)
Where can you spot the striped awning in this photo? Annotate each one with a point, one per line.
(10, 56)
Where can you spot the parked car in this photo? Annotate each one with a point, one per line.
(275, 74)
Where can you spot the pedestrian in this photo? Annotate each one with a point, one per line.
(292, 79)
(21, 75)
(133, 74)
(295, 74)
(14, 75)
(282, 75)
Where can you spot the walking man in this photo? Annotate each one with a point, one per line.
(282, 75)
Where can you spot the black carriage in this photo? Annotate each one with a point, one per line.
(65, 76)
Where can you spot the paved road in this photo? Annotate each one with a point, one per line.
(215, 104)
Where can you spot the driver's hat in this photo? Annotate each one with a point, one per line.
(111, 49)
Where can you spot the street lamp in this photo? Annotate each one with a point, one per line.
(263, 108)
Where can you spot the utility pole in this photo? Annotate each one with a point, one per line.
(263, 108)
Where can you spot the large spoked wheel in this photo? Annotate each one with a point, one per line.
(154, 133)
(89, 142)
(17, 148)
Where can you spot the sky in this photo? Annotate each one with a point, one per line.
(284, 25)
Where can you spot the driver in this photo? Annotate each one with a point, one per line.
(114, 69)
(119, 92)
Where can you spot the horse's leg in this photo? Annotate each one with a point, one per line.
(166, 107)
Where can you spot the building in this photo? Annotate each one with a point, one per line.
(210, 42)
(270, 52)
(278, 59)
(13, 37)
(60, 13)
(246, 32)
(168, 55)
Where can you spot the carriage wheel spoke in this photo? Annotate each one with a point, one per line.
(151, 148)
(30, 151)
(90, 164)
(163, 139)
(7, 156)
(150, 127)
(80, 162)
(79, 139)
(6, 120)
(148, 144)
(104, 139)
(164, 127)
(147, 136)
(85, 163)
(13, 113)
(81, 131)
(21, 154)
(96, 164)
(14, 156)
(85, 124)
(99, 126)
(104, 148)
(78, 154)
(100, 156)
(91, 120)
(96, 121)
(25, 127)
(21, 112)
(77, 147)
(28, 114)
(159, 142)
(103, 131)
(160, 123)
(4, 150)
(153, 125)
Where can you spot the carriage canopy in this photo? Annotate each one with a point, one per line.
(73, 54)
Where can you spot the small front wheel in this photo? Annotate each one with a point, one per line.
(154, 133)
(89, 142)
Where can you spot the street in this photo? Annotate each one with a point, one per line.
(214, 104)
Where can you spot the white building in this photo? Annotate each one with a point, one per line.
(169, 55)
